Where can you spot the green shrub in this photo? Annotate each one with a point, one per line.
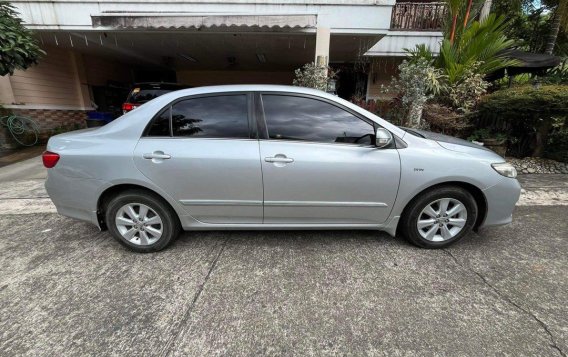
(557, 145)
(526, 102)
(526, 111)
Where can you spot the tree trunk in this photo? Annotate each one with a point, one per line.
(466, 18)
(485, 10)
(453, 33)
(415, 114)
(554, 29)
(542, 137)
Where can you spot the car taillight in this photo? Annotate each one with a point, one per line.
(126, 107)
(49, 159)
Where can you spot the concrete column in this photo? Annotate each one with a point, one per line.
(80, 75)
(6, 92)
(322, 46)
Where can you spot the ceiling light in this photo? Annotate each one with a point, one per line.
(261, 58)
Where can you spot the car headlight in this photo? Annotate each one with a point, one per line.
(505, 169)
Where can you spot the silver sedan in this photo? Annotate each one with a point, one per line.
(273, 157)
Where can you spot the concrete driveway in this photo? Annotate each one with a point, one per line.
(68, 289)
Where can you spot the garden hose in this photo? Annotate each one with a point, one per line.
(24, 130)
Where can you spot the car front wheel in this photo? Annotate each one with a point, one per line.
(439, 217)
(141, 221)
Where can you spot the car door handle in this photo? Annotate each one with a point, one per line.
(279, 159)
(157, 155)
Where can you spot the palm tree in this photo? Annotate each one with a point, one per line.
(559, 19)
(480, 43)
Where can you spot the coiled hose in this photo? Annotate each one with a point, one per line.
(24, 130)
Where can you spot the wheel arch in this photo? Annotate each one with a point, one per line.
(475, 191)
(114, 190)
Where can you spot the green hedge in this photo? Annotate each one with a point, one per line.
(526, 102)
(529, 116)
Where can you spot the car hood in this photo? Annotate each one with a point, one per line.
(450, 142)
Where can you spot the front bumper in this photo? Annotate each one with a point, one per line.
(501, 199)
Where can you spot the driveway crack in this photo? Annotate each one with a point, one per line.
(505, 298)
(167, 349)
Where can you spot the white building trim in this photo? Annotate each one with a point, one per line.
(340, 16)
(394, 43)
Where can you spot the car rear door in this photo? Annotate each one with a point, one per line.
(203, 151)
(320, 164)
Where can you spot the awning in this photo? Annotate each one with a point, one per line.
(535, 63)
(200, 21)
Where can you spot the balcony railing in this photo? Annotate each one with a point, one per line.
(415, 16)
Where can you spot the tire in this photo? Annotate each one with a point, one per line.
(428, 208)
(143, 233)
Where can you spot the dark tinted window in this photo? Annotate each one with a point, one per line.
(145, 95)
(211, 117)
(161, 125)
(299, 118)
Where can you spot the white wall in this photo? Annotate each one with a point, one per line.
(341, 16)
(394, 43)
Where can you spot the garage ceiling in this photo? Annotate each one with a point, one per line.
(185, 50)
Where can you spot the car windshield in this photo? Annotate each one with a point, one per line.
(144, 95)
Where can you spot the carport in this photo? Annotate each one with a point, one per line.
(97, 50)
(199, 56)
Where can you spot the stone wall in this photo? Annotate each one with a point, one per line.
(50, 122)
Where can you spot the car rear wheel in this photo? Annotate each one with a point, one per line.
(439, 217)
(141, 221)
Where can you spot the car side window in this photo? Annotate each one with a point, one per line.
(307, 119)
(161, 124)
(222, 116)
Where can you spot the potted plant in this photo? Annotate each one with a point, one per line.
(495, 141)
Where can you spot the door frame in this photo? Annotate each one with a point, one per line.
(252, 114)
(262, 127)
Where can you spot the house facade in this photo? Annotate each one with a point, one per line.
(96, 49)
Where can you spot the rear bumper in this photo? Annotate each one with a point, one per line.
(501, 199)
(74, 197)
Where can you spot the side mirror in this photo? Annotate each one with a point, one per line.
(383, 137)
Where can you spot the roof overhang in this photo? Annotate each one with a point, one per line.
(201, 21)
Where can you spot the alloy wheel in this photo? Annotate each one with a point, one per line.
(139, 224)
(442, 219)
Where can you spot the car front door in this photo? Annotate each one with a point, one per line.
(320, 164)
(204, 153)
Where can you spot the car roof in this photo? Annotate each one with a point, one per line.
(250, 88)
(158, 103)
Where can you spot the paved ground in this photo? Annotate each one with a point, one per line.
(8, 157)
(67, 289)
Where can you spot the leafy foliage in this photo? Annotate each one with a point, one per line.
(418, 81)
(389, 109)
(468, 53)
(484, 134)
(558, 74)
(480, 43)
(313, 76)
(466, 93)
(18, 48)
(527, 113)
(531, 23)
(557, 146)
(526, 102)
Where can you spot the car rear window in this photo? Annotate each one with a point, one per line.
(138, 95)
